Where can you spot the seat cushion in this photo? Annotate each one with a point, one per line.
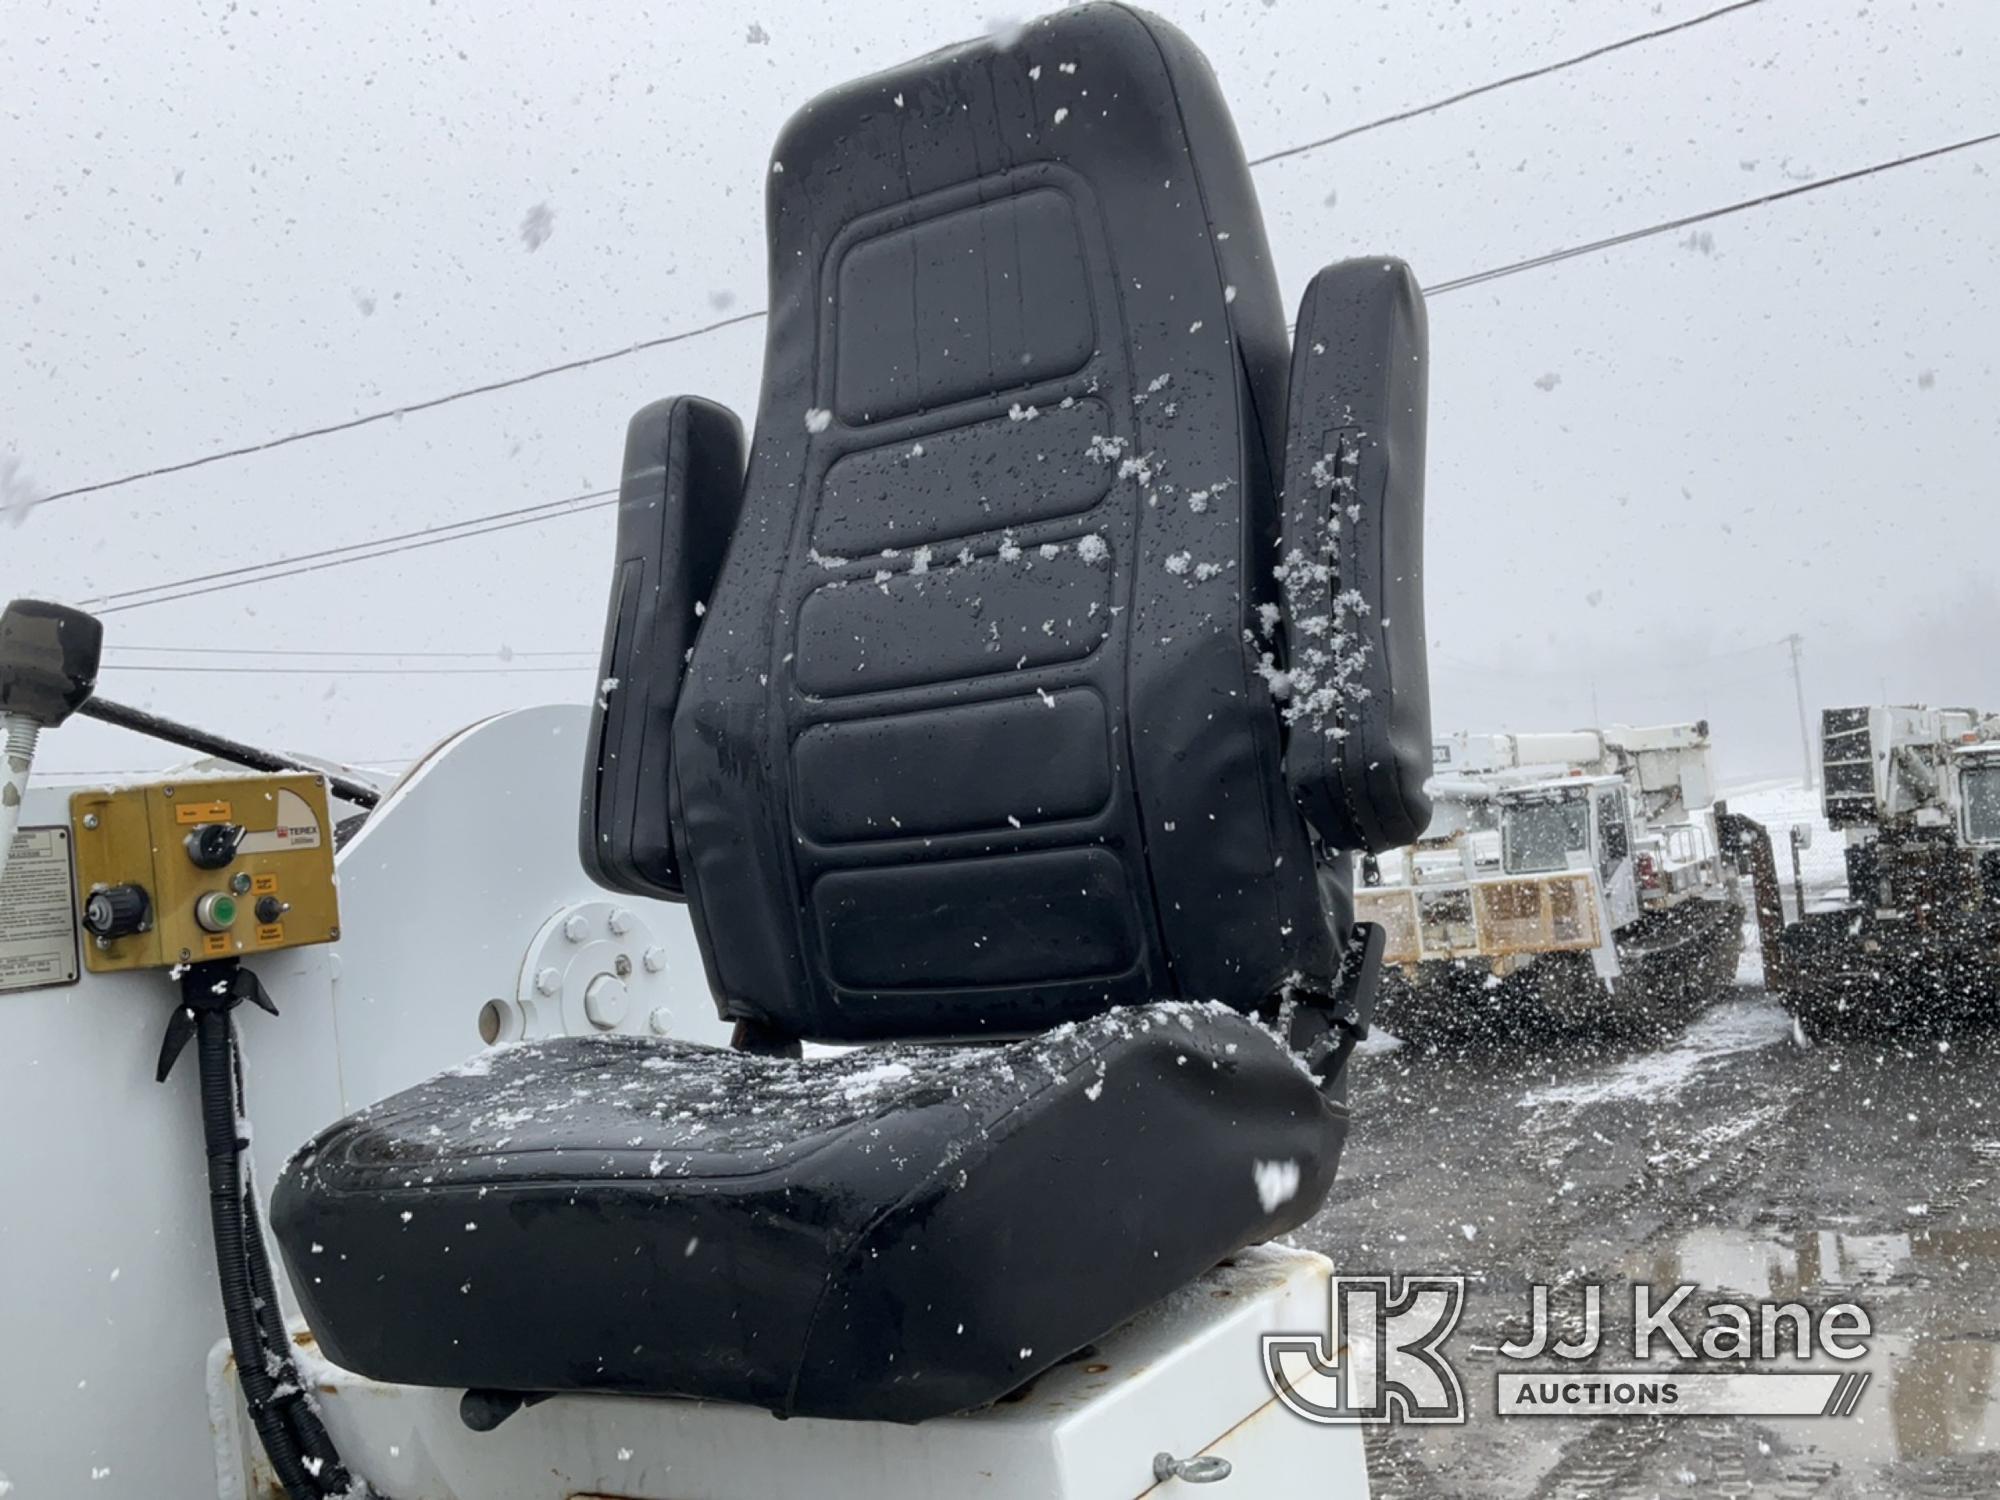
(892, 1233)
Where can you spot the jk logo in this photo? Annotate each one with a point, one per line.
(1380, 1360)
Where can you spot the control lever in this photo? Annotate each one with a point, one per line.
(48, 670)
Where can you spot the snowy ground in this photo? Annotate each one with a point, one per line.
(1734, 1156)
(1781, 806)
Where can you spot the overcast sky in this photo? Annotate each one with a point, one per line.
(1646, 465)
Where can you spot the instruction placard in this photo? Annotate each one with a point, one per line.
(38, 929)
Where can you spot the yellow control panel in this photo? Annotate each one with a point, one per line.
(177, 872)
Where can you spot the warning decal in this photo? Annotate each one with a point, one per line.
(38, 931)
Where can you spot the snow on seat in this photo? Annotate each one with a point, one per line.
(895, 1232)
(943, 705)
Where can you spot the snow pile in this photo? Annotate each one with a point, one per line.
(1721, 1033)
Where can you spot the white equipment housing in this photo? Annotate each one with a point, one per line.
(1902, 767)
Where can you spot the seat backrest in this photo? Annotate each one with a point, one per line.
(972, 739)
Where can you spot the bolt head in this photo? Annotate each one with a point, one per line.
(655, 959)
(622, 966)
(548, 982)
(575, 928)
(620, 921)
(660, 1021)
(604, 1003)
(90, 820)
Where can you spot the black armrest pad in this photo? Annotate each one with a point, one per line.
(677, 509)
(1359, 749)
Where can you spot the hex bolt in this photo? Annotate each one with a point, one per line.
(661, 1020)
(655, 959)
(549, 982)
(575, 928)
(620, 921)
(604, 1002)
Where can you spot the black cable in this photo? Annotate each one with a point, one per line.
(214, 1048)
(430, 404)
(321, 1458)
(163, 593)
(586, 361)
(341, 562)
(551, 507)
(342, 671)
(190, 738)
(263, 651)
(1668, 226)
(1501, 83)
(301, 1451)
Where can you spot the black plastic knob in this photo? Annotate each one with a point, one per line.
(117, 911)
(212, 846)
(48, 660)
(269, 909)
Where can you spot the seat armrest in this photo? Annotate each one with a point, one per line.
(1359, 747)
(677, 507)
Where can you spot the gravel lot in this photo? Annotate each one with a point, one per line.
(1740, 1155)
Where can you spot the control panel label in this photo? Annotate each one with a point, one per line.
(38, 926)
(298, 828)
(202, 812)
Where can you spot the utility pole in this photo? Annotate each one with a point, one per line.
(1795, 641)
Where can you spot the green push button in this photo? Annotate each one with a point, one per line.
(216, 912)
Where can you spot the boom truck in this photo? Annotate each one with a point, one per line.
(1915, 794)
(1580, 872)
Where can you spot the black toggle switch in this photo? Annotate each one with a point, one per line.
(270, 908)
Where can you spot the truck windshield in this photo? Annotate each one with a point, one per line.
(1982, 803)
(1540, 835)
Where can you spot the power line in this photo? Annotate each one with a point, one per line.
(585, 362)
(597, 499)
(394, 412)
(497, 654)
(1500, 83)
(535, 512)
(347, 671)
(364, 763)
(283, 571)
(1670, 225)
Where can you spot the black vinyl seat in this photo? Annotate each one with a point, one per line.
(891, 1233)
(1012, 714)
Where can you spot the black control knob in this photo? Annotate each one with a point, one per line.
(213, 846)
(270, 908)
(117, 911)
